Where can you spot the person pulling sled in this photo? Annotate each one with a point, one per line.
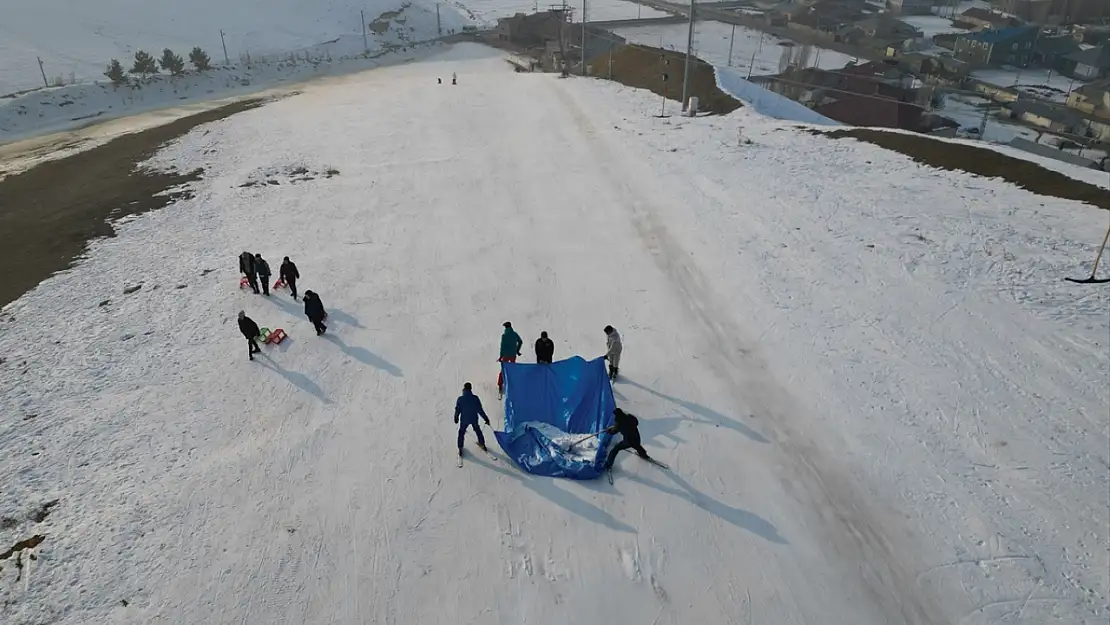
(289, 275)
(248, 269)
(250, 330)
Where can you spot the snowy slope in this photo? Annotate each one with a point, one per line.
(79, 38)
(879, 401)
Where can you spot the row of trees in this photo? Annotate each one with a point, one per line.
(145, 64)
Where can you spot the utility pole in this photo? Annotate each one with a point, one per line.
(362, 24)
(583, 37)
(227, 61)
(45, 82)
(610, 60)
(689, 53)
(439, 26)
(730, 42)
(751, 63)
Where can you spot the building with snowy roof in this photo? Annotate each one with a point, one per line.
(1006, 46)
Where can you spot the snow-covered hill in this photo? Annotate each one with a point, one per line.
(880, 402)
(77, 39)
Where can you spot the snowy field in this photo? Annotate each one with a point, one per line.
(879, 400)
(711, 44)
(77, 39)
(75, 106)
(1043, 83)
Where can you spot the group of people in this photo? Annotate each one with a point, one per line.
(468, 407)
(511, 344)
(257, 270)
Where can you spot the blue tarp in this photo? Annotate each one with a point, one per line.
(573, 395)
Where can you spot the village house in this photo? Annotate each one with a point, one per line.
(1054, 52)
(860, 100)
(1038, 113)
(1091, 63)
(1092, 98)
(1009, 46)
(986, 19)
(910, 7)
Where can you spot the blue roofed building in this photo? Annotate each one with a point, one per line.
(1006, 46)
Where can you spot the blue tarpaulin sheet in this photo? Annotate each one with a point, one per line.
(573, 395)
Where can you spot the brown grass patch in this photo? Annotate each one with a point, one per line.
(642, 67)
(983, 162)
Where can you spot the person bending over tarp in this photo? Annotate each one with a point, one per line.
(468, 407)
(628, 426)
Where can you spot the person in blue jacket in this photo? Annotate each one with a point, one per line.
(510, 349)
(467, 410)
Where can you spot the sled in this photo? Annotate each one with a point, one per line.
(280, 284)
(244, 283)
(276, 337)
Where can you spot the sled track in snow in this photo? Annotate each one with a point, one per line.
(859, 533)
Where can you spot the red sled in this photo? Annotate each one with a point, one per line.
(244, 283)
(280, 284)
(276, 337)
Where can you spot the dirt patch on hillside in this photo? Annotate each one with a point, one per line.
(643, 67)
(982, 162)
(50, 212)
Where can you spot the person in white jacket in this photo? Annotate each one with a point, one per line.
(613, 351)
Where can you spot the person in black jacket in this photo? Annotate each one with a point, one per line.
(628, 426)
(288, 272)
(545, 349)
(314, 310)
(247, 268)
(250, 330)
(263, 269)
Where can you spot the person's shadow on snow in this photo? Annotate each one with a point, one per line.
(295, 378)
(366, 356)
(736, 516)
(546, 488)
(709, 416)
(334, 314)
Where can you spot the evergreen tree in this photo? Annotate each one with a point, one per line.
(144, 64)
(199, 59)
(115, 73)
(172, 63)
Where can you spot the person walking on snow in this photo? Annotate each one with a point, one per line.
(250, 330)
(288, 273)
(314, 310)
(263, 269)
(247, 268)
(545, 349)
(467, 410)
(510, 349)
(628, 427)
(613, 350)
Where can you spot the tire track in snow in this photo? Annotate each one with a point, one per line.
(857, 532)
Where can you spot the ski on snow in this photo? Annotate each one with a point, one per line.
(489, 454)
(609, 472)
